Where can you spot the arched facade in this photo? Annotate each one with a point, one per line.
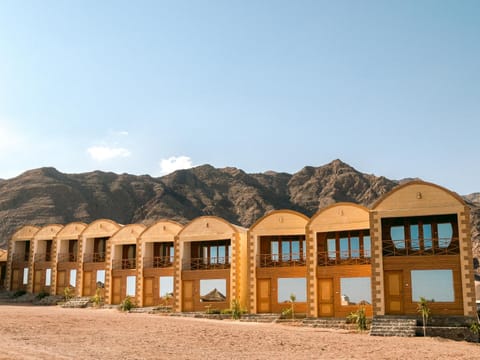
(277, 257)
(93, 250)
(20, 253)
(156, 259)
(43, 260)
(339, 270)
(421, 247)
(121, 264)
(65, 250)
(208, 269)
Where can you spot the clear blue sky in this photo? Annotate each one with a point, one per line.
(390, 87)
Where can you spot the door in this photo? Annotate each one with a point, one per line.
(87, 284)
(393, 292)
(116, 290)
(15, 279)
(148, 291)
(264, 300)
(325, 298)
(187, 296)
(61, 283)
(38, 281)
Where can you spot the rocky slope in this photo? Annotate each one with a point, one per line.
(44, 196)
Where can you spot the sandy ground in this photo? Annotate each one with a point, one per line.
(35, 332)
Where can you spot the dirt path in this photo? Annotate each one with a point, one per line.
(33, 332)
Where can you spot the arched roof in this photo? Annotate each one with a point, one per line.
(48, 232)
(71, 230)
(26, 232)
(100, 228)
(209, 228)
(162, 230)
(128, 234)
(340, 216)
(281, 222)
(418, 195)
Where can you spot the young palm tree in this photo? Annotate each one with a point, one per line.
(293, 298)
(424, 310)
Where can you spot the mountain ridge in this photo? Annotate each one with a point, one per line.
(45, 195)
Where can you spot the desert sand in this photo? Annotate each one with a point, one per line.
(35, 332)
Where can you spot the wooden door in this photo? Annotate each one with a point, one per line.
(187, 296)
(116, 290)
(325, 298)
(148, 291)
(61, 282)
(393, 292)
(16, 279)
(38, 281)
(264, 297)
(87, 284)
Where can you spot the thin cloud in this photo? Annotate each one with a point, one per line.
(9, 138)
(174, 163)
(103, 153)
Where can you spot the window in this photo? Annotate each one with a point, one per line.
(215, 252)
(295, 286)
(48, 277)
(433, 285)
(213, 290)
(131, 283)
(422, 235)
(355, 291)
(25, 276)
(166, 286)
(73, 277)
(344, 247)
(282, 248)
(100, 278)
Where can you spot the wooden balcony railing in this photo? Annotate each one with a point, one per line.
(435, 247)
(220, 262)
(67, 257)
(283, 260)
(43, 257)
(94, 257)
(158, 262)
(124, 264)
(331, 258)
(17, 258)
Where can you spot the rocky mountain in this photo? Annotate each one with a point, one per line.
(45, 196)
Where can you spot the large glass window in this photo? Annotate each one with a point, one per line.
(433, 285)
(25, 276)
(166, 286)
(295, 286)
(213, 290)
(131, 284)
(355, 291)
(344, 247)
(282, 248)
(73, 277)
(48, 277)
(100, 278)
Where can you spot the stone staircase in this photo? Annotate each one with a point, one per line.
(261, 318)
(393, 326)
(77, 302)
(327, 323)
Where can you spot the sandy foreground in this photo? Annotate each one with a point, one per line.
(35, 332)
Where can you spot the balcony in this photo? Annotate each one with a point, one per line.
(158, 262)
(283, 260)
(332, 258)
(207, 263)
(94, 257)
(67, 257)
(442, 246)
(20, 258)
(43, 257)
(124, 264)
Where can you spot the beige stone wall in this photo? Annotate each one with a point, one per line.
(336, 217)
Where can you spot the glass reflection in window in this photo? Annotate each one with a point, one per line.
(398, 236)
(445, 233)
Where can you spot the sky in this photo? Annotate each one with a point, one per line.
(148, 87)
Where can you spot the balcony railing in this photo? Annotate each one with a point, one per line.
(124, 264)
(331, 258)
(67, 257)
(43, 257)
(282, 260)
(17, 258)
(94, 257)
(448, 246)
(220, 262)
(158, 262)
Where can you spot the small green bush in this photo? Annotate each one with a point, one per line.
(358, 317)
(127, 304)
(97, 299)
(42, 295)
(19, 293)
(68, 293)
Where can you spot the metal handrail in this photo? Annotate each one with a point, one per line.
(352, 257)
(287, 259)
(130, 263)
(453, 248)
(67, 257)
(94, 257)
(219, 262)
(158, 262)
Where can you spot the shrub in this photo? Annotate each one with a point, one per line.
(97, 299)
(424, 310)
(68, 293)
(19, 293)
(42, 294)
(127, 304)
(358, 317)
